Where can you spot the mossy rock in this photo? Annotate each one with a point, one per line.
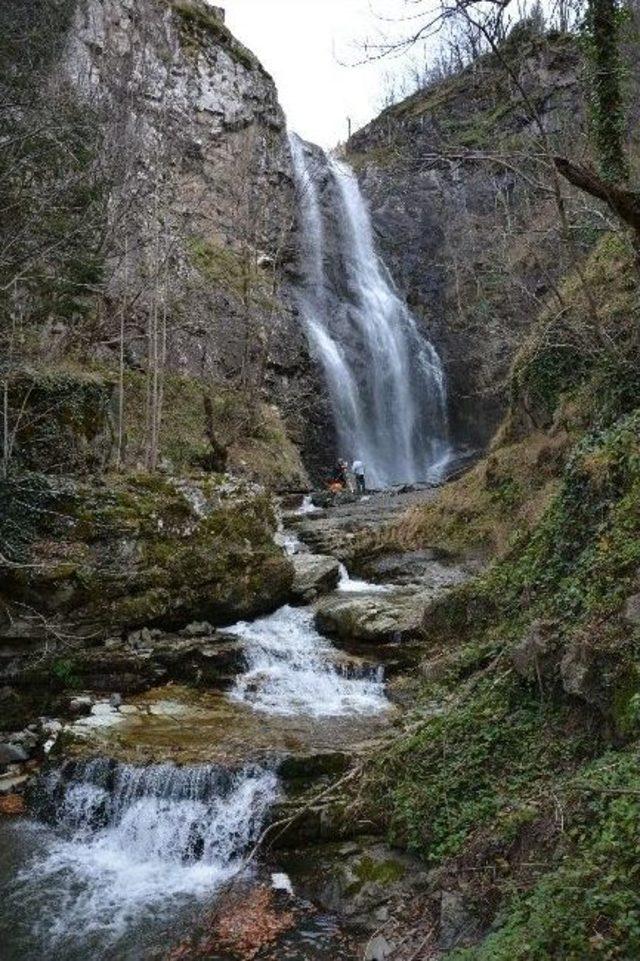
(64, 420)
(134, 550)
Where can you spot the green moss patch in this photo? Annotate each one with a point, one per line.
(234, 272)
(249, 438)
(61, 419)
(141, 549)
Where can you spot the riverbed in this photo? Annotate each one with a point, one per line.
(155, 799)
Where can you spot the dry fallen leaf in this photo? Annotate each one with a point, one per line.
(12, 805)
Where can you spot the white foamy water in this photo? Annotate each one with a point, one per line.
(290, 670)
(352, 585)
(307, 506)
(385, 380)
(134, 843)
(288, 541)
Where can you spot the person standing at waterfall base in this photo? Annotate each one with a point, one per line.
(358, 472)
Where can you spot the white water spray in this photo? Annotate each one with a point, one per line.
(385, 379)
(290, 670)
(353, 585)
(134, 844)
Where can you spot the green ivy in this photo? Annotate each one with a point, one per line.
(482, 763)
(587, 907)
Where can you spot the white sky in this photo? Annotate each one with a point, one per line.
(304, 44)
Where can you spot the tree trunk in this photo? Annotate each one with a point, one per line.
(624, 203)
(607, 103)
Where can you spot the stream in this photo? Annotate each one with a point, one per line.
(115, 856)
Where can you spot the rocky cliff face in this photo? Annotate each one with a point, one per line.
(155, 235)
(200, 137)
(197, 233)
(465, 215)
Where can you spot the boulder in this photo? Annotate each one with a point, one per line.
(378, 949)
(588, 672)
(27, 740)
(138, 553)
(537, 655)
(411, 567)
(81, 705)
(197, 629)
(12, 754)
(314, 574)
(631, 611)
(13, 781)
(307, 766)
(371, 619)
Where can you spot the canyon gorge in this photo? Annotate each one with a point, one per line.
(247, 711)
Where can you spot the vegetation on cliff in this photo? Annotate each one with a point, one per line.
(523, 787)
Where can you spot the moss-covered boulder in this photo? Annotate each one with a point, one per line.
(61, 420)
(138, 549)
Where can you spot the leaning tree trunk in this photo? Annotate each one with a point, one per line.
(623, 202)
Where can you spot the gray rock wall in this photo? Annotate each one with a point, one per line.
(464, 212)
(202, 201)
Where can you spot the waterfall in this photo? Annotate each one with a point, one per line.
(290, 670)
(384, 378)
(353, 585)
(130, 845)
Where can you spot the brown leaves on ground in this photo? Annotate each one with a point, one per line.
(243, 923)
(246, 928)
(12, 805)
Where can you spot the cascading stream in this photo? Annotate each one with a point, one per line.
(290, 671)
(132, 845)
(385, 380)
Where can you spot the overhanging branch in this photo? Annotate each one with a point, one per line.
(625, 203)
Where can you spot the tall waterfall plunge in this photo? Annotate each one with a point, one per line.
(384, 378)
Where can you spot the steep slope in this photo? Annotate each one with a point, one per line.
(518, 780)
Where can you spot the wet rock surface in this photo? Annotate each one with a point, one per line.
(177, 723)
(313, 575)
(149, 699)
(371, 619)
(421, 569)
(358, 879)
(331, 530)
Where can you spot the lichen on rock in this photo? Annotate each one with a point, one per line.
(144, 549)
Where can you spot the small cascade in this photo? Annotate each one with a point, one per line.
(385, 379)
(307, 506)
(290, 670)
(353, 585)
(133, 844)
(287, 539)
